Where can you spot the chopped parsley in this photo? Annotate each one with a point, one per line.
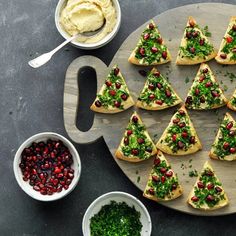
(192, 173)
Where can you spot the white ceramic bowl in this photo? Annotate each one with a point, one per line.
(25, 186)
(105, 199)
(61, 4)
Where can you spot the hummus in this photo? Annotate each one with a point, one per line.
(80, 16)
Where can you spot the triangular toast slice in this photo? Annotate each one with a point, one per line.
(157, 93)
(207, 193)
(195, 47)
(224, 146)
(227, 51)
(163, 183)
(180, 137)
(136, 144)
(114, 96)
(205, 92)
(232, 102)
(151, 48)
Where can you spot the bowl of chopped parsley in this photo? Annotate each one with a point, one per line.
(116, 214)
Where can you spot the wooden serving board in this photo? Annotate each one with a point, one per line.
(171, 24)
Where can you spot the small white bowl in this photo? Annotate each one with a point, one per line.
(61, 4)
(105, 199)
(25, 186)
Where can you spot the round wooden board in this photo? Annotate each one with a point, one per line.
(171, 24)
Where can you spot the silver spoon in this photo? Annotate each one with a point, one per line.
(44, 58)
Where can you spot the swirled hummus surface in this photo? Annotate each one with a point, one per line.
(80, 16)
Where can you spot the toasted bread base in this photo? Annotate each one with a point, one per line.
(205, 207)
(230, 106)
(194, 148)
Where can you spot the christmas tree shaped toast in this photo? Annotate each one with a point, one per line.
(227, 51)
(205, 92)
(232, 102)
(157, 93)
(114, 96)
(180, 137)
(224, 146)
(136, 144)
(163, 184)
(195, 47)
(151, 48)
(207, 193)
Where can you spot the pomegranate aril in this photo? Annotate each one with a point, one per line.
(66, 187)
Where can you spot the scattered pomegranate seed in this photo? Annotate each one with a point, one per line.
(163, 170)
(146, 36)
(142, 52)
(151, 191)
(126, 141)
(210, 186)
(97, 104)
(202, 42)
(192, 50)
(124, 97)
(154, 49)
(200, 184)
(184, 134)
(129, 132)
(180, 144)
(218, 189)
(157, 161)
(210, 198)
(117, 104)
(194, 199)
(112, 92)
(168, 93)
(192, 139)
(174, 186)
(223, 55)
(151, 86)
(197, 91)
(229, 125)
(229, 39)
(151, 26)
(176, 120)
(174, 137)
(155, 178)
(195, 34)
(159, 102)
(164, 55)
(134, 152)
(159, 40)
(116, 71)
(232, 133)
(189, 100)
(163, 179)
(169, 173)
(208, 84)
(151, 96)
(118, 85)
(181, 112)
(226, 145)
(157, 73)
(188, 35)
(135, 119)
(202, 77)
(140, 140)
(232, 150)
(182, 124)
(159, 85)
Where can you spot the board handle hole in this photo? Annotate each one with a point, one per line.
(87, 83)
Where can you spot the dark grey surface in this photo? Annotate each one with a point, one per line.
(31, 102)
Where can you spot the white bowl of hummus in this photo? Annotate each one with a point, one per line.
(79, 16)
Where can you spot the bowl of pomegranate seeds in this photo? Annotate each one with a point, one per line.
(47, 166)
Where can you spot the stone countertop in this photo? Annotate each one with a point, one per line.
(31, 102)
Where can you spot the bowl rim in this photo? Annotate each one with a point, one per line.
(27, 142)
(111, 194)
(87, 46)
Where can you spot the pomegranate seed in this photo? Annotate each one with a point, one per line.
(151, 26)
(151, 191)
(202, 77)
(25, 178)
(151, 86)
(229, 125)
(181, 112)
(129, 132)
(116, 71)
(194, 199)
(142, 52)
(229, 39)
(215, 94)
(226, 145)
(57, 170)
(231, 133)
(223, 55)
(154, 49)
(169, 173)
(163, 170)
(59, 176)
(43, 192)
(218, 189)
(126, 141)
(117, 104)
(202, 42)
(200, 185)
(140, 140)
(62, 182)
(112, 92)
(157, 74)
(163, 179)
(210, 186)
(36, 188)
(180, 144)
(232, 150)
(59, 189)
(108, 83)
(97, 104)
(159, 102)
(174, 137)
(134, 152)
(164, 55)
(176, 120)
(149, 149)
(66, 187)
(155, 178)
(195, 34)
(34, 172)
(188, 35)
(182, 124)
(208, 84)
(210, 198)
(159, 85)
(197, 91)
(118, 85)
(184, 134)
(192, 139)
(234, 28)
(157, 161)
(189, 100)
(151, 96)
(146, 36)
(205, 70)
(135, 119)
(209, 173)
(174, 187)
(192, 50)
(202, 99)
(68, 181)
(55, 182)
(159, 40)
(168, 93)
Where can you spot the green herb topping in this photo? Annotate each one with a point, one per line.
(196, 44)
(135, 141)
(226, 143)
(163, 182)
(208, 190)
(204, 93)
(116, 219)
(157, 91)
(150, 48)
(115, 91)
(179, 134)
